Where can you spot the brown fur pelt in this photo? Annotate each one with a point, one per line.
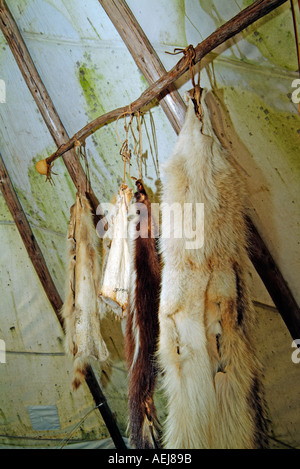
(80, 311)
(211, 376)
(142, 327)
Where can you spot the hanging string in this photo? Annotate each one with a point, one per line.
(80, 150)
(125, 152)
(134, 139)
(153, 144)
(190, 53)
(49, 174)
(138, 153)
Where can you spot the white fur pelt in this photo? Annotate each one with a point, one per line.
(80, 311)
(210, 373)
(115, 285)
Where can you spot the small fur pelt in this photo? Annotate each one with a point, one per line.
(142, 327)
(211, 376)
(115, 285)
(80, 311)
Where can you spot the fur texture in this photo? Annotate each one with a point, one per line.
(211, 375)
(142, 327)
(114, 290)
(80, 311)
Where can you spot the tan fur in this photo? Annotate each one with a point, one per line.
(142, 324)
(80, 310)
(211, 376)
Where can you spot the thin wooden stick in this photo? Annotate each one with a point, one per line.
(238, 23)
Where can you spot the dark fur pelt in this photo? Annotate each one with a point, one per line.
(142, 328)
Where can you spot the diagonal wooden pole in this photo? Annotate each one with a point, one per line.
(145, 57)
(273, 280)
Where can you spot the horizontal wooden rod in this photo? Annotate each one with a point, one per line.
(238, 23)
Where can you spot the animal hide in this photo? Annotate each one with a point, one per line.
(142, 323)
(211, 375)
(80, 311)
(115, 284)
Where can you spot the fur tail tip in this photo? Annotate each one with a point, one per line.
(79, 376)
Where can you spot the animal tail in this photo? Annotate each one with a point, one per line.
(142, 328)
(79, 371)
(144, 427)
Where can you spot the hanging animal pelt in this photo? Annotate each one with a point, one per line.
(115, 286)
(211, 375)
(80, 311)
(142, 323)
